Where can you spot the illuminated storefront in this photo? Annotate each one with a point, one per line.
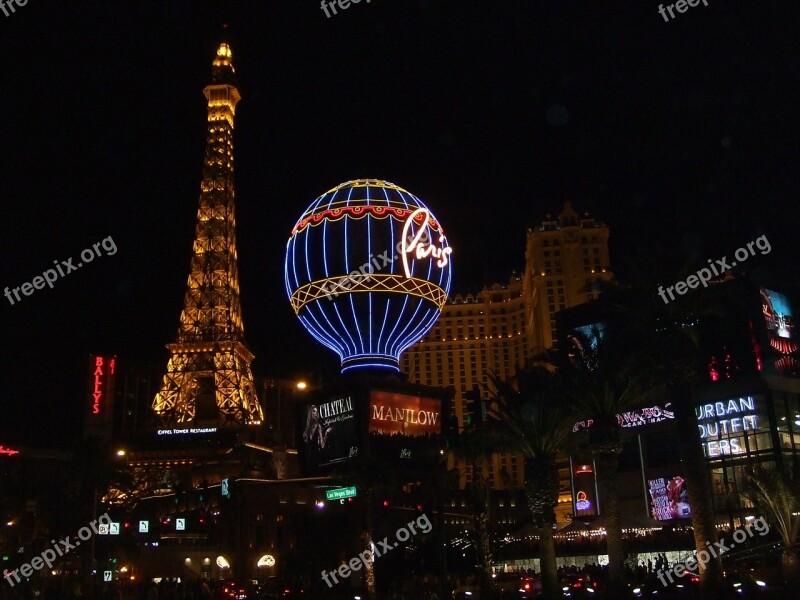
(746, 401)
(739, 434)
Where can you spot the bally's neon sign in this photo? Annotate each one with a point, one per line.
(582, 502)
(415, 245)
(99, 375)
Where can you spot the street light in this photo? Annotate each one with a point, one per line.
(301, 385)
(121, 452)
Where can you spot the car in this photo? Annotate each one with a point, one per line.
(745, 585)
(231, 590)
(578, 585)
(513, 585)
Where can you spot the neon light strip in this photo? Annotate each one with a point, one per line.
(377, 282)
(363, 365)
(358, 212)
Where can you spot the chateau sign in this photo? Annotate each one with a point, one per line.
(335, 407)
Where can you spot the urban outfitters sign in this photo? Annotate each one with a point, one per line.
(722, 425)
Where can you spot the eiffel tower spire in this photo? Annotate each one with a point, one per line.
(208, 379)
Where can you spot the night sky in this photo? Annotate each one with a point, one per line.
(681, 135)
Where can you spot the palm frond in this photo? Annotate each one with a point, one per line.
(778, 495)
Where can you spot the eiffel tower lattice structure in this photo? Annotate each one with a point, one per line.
(208, 380)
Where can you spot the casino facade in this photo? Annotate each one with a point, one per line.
(747, 409)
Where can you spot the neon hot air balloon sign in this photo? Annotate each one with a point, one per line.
(368, 270)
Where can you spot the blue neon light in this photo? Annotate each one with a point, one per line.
(364, 328)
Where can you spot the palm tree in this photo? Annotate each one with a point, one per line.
(667, 339)
(779, 496)
(609, 381)
(527, 418)
(475, 447)
(371, 476)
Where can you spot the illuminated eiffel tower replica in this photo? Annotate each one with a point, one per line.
(208, 381)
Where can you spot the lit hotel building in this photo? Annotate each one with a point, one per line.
(501, 327)
(565, 258)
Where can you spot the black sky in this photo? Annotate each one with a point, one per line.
(682, 136)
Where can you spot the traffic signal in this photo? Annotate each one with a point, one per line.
(473, 406)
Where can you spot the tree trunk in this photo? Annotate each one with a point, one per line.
(791, 569)
(484, 554)
(366, 544)
(541, 491)
(480, 491)
(607, 464)
(698, 485)
(547, 558)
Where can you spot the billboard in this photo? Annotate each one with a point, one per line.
(781, 332)
(405, 426)
(329, 432)
(582, 344)
(778, 316)
(583, 489)
(669, 498)
(392, 413)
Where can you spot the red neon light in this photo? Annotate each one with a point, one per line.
(98, 383)
(8, 451)
(357, 212)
